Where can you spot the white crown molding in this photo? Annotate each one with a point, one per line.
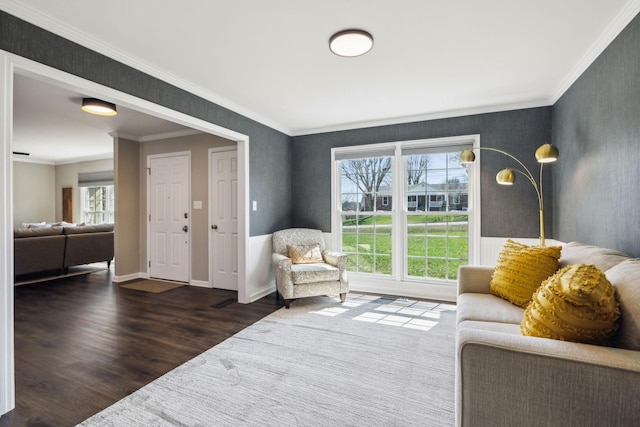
(157, 136)
(124, 136)
(167, 135)
(426, 117)
(29, 14)
(104, 156)
(630, 10)
(55, 26)
(23, 159)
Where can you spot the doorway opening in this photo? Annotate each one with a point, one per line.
(15, 65)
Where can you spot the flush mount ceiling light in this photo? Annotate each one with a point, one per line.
(99, 107)
(351, 43)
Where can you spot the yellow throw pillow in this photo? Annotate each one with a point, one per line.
(576, 304)
(521, 269)
(305, 254)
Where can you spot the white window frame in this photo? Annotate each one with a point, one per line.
(111, 209)
(399, 283)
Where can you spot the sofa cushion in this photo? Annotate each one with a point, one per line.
(486, 308)
(311, 273)
(19, 233)
(625, 278)
(64, 224)
(576, 304)
(498, 327)
(521, 269)
(82, 229)
(305, 254)
(42, 224)
(602, 258)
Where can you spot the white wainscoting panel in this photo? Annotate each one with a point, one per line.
(490, 247)
(260, 276)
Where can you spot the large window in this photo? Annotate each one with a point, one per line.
(403, 211)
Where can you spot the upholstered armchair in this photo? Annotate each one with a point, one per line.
(304, 268)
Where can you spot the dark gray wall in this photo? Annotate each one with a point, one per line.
(596, 126)
(506, 211)
(269, 150)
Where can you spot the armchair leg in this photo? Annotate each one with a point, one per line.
(343, 296)
(287, 302)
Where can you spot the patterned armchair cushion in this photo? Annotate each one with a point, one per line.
(305, 254)
(311, 273)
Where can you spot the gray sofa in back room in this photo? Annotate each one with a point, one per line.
(58, 248)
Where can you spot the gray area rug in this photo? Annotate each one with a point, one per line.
(368, 362)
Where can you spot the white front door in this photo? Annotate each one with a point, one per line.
(224, 219)
(169, 217)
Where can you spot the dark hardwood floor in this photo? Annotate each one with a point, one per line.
(83, 343)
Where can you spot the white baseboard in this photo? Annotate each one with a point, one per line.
(404, 289)
(128, 277)
(200, 283)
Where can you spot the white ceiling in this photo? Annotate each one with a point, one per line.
(270, 61)
(65, 133)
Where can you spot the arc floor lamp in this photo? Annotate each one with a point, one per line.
(546, 153)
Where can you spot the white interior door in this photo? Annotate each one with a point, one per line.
(224, 219)
(169, 246)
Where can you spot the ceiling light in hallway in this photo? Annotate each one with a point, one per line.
(99, 107)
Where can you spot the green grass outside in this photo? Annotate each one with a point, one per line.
(411, 219)
(433, 251)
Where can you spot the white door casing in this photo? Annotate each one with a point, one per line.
(169, 216)
(11, 64)
(223, 211)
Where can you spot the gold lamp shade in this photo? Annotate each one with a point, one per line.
(506, 177)
(467, 156)
(546, 153)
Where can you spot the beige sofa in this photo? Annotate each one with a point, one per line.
(58, 248)
(506, 379)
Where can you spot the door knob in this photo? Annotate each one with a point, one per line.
(214, 227)
(185, 228)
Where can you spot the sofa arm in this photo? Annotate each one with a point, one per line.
(506, 379)
(474, 278)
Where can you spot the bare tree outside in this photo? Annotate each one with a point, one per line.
(416, 167)
(368, 175)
